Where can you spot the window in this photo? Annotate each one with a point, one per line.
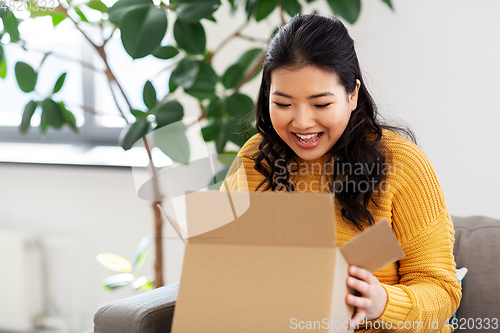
(101, 124)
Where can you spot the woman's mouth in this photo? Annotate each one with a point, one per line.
(307, 140)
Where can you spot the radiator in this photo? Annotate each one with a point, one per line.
(21, 278)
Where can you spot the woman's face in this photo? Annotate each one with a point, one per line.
(309, 109)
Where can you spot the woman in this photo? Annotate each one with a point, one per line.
(318, 132)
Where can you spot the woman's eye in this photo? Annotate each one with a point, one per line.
(283, 106)
(322, 105)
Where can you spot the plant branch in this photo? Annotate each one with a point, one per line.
(86, 108)
(63, 57)
(252, 39)
(253, 71)
(116, 101)
(227, 40)
(102, 53)
(169, 7)
(201, 117)
(282, 12)
(110, 35)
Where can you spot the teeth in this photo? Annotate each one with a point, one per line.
(306, 137)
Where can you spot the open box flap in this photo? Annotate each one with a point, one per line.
(297, 219)
(374, 248)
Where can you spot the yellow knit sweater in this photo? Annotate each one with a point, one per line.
(422, 288)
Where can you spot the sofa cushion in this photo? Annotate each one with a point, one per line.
(477, 247)
(144, 313)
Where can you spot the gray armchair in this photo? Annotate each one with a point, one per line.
(477, 247)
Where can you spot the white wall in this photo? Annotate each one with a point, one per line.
(78, 213)
(432, 64)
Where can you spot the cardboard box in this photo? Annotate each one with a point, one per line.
(273, 265)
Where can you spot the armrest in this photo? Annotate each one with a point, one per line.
(150, 312)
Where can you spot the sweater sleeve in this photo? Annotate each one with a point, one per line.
(428, 293)
(241, 175)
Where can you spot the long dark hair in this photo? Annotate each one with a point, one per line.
(324, 42)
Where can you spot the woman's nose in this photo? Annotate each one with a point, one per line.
(303, 119)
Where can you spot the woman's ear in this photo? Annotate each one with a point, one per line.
(353, 99)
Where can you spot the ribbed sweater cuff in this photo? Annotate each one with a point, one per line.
(398, 305)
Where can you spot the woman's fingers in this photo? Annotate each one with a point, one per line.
(361, 286)
(358, 317)
(371, 302)
(362, 274)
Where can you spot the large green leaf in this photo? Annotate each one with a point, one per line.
(59, 83)
(81, 14)
(57, 18)
(114, 262)
(227, 158)
(69, 117)
(169, 113)
(388, 3)
(195, 10)
(347, 9)
(264, 8)
(29, 110)
(190, 36)
(239, 105)
(143, 283)
(1, 52)
(292, 7)
(221, 141)
(185, 73)
(173, 142)
(233, 76)
(250, 7)
(211, 131)
(165, 52)
(249, 57)
(135, 132)
(3, 68)
(10, 25)
(172, 86)
(4, 9)
(149, 95)
(138, 113)
(26, 76)
(142, 30)
(121, 6)
(117, 281)
(141, 253)
(97, 5)
(52, 114)
(215, 108)
(204, 84)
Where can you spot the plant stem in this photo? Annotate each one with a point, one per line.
(158, 198)
(158, 282)
(102, 53)
(252, 39)
(282, 13)
(226, 40)
(63, 57)
(253, 71)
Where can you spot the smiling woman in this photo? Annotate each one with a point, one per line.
(309, 109)
(318, 132)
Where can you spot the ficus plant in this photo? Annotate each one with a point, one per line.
(143, 25)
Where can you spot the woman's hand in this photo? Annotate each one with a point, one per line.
(371, 304)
